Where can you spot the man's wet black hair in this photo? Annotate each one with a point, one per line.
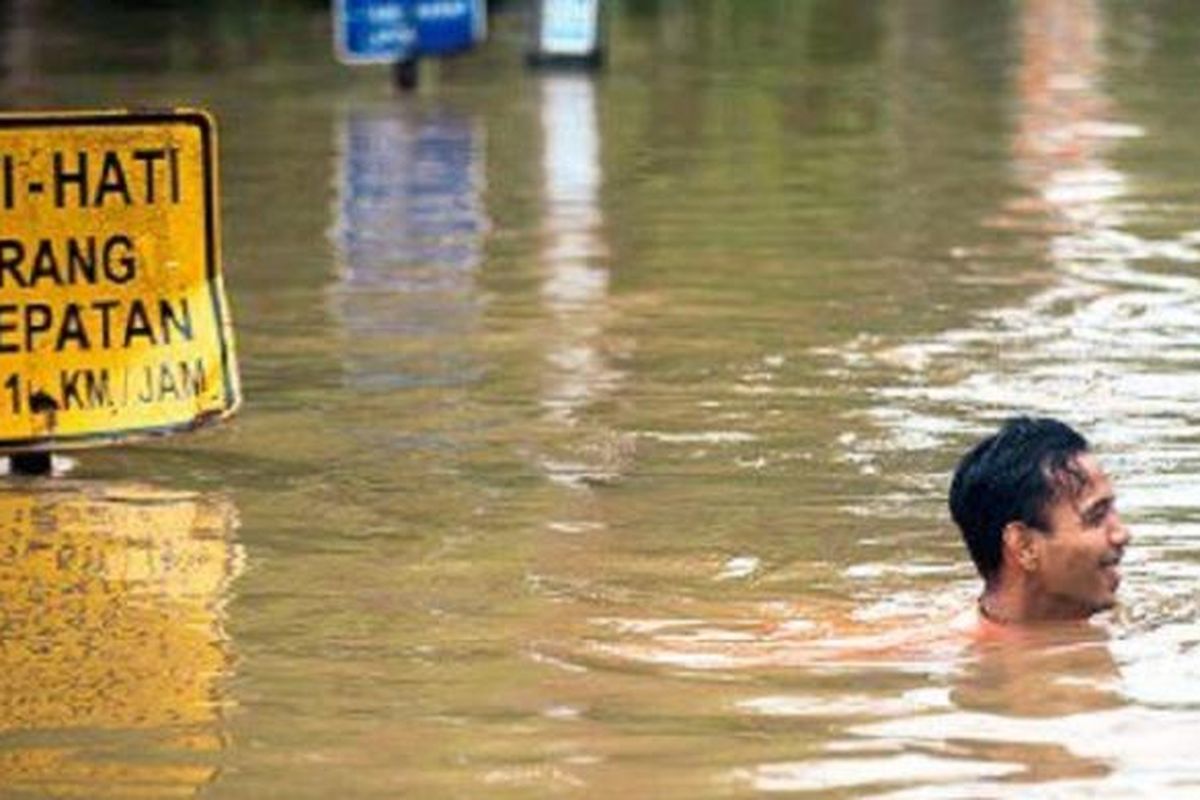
(1013, 476)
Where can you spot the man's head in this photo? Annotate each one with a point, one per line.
(1037, 512)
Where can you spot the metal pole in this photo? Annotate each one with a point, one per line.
(406, 73)
(31, 464)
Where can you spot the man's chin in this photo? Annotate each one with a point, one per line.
(1083, 608)
(1105, 604)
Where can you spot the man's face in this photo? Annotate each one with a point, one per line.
(1077, 560)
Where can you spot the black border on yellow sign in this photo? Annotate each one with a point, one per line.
(66, 119)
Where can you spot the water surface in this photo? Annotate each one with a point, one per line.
(597, 428)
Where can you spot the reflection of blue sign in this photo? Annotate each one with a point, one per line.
(569, 27)
(409, 235)
(448, 26)
(374, 31)
(410, 214)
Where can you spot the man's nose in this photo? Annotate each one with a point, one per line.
(1119, 535)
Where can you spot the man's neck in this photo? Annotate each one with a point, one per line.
(1019, 605)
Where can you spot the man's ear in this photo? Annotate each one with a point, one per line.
(1020, 546)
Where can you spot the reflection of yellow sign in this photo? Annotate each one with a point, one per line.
(111, 623)
(113, 319)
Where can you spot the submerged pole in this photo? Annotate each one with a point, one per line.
(406, 72)
(34, 464)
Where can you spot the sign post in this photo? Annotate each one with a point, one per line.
(378, 32)
(113, 318)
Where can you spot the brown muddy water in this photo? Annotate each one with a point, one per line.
(597, 428)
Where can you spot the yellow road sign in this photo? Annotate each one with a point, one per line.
(113, 318)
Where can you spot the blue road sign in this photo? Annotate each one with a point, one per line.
(374, 31)
(449, 26)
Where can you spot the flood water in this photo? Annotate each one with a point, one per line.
(598, 428)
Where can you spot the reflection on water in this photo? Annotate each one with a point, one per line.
(1049, 711)
(112, 622)
(14, 50)
(575, 282)
(408, 228)
(601, 425)
(1102, 343)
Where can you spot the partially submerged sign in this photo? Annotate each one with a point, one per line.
(113, 319)
(388, 31)
(449, 26)
(568, 30)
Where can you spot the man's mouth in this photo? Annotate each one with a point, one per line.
(1110, 565)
